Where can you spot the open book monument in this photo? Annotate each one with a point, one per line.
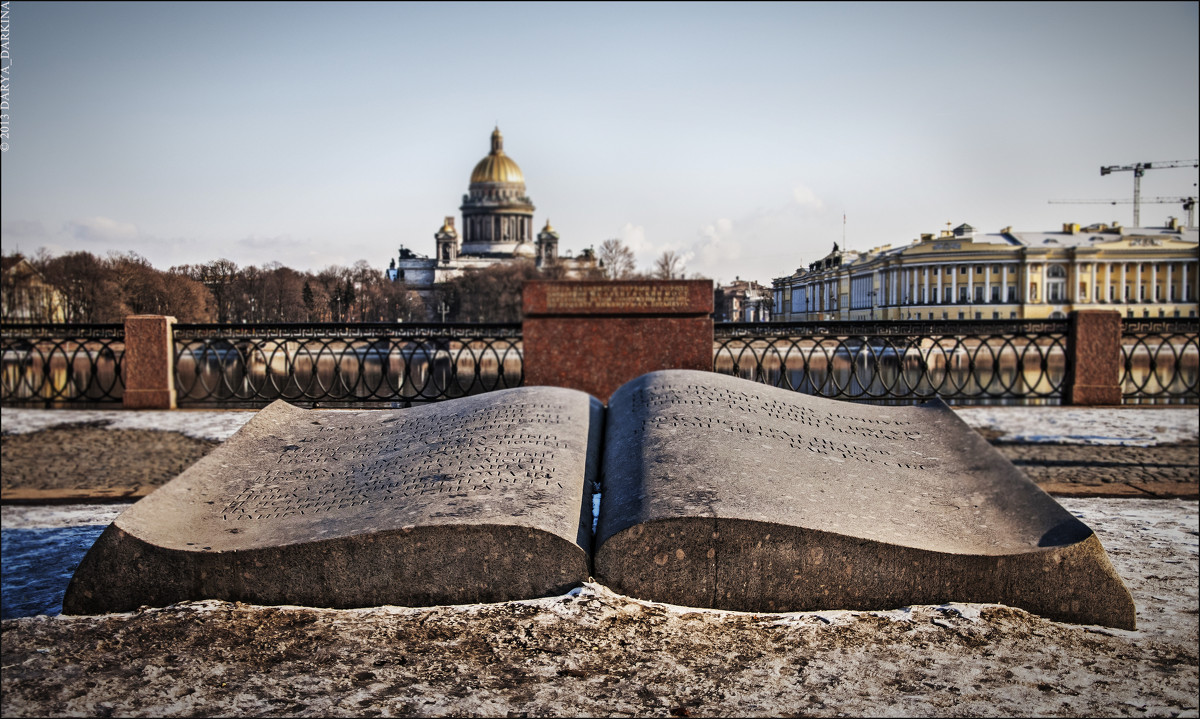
(715, 492)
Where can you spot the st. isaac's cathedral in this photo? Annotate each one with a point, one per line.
(497, 226)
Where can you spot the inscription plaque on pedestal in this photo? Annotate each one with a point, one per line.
(716, 492)
(596, 336)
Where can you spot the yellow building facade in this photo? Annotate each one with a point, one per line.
(961, 274)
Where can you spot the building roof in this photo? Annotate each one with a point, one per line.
(1071, 236)
(1097, 234)
(18, 265)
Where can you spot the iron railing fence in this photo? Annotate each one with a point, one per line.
(902, 362)
(977, 362)
(343, 364)
(61, 365)
(1161, 361)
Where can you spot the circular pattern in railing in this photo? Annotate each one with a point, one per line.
(53, 365)
(339, 364)
(984, 362)
(1160, 361)
(1010, 362)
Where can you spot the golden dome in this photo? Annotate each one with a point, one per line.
(497, 167)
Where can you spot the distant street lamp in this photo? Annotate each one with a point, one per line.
(444, 309)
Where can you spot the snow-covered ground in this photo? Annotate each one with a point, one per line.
(593, 652)
(201, 424)
(1133, 426)
(1130, 427)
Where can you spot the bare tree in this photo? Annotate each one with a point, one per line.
(220, 277)
(283, 294)
(372, 297)
(668, 266)
(141, 289)
(334, 281)
(320, 309)
(309, 300)
(393, 302)
(492, 294)
(617, 260)
(87, 285)
(79, 287)
(186, 299)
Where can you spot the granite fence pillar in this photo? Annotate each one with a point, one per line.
(595, 336)
(1093, 358)
(149, 363)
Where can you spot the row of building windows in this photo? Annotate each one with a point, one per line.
(1145, 314)
(1034, 283)
(909, 285)
(1053, 270)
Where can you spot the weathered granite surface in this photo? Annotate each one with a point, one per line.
(482, 499)
(148, 366)
(596, 336)
(1094, 377)
(719, 492)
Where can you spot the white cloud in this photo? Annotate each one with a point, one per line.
(634, 237)
(102, 230)
(646, 251)
(758, 245)
(805, 197)
(753, 246)
(718, 247)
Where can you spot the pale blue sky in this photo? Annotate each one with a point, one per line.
(322, 133)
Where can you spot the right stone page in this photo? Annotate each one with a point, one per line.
(725, 493)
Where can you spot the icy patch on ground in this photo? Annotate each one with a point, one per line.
(40, 548)
(218, 426)
(1087, 439)
(1132, 427)
(37, 564)
(49, 516)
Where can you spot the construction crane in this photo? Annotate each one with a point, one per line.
(1138, 169)
(1189, 205)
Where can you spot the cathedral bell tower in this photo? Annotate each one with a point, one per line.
(447, 242)
(547, 246)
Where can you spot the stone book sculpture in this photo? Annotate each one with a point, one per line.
(715, 492)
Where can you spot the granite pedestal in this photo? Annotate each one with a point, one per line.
(595, 336)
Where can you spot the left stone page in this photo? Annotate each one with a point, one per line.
(479, 499)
